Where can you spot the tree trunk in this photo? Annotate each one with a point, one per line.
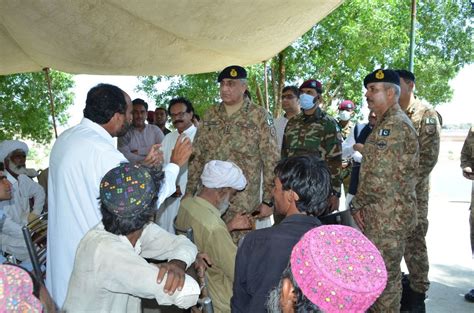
(258, 92)
(281, 82)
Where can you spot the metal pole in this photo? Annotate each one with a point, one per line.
(265, 78)
(51, 101)
(412, 35)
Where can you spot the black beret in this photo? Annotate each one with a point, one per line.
(312, 83)
(406, 75)
(232, 72)
(382, 76)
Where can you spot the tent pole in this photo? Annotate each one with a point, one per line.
(412, 35)
(265, 81)
(51, 101)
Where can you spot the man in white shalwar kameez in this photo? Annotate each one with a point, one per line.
(181, 112)
(79, 159)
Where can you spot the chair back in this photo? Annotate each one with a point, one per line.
(34, 234)
(181, 231)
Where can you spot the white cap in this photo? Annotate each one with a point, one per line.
(8, 146)
(220, 174)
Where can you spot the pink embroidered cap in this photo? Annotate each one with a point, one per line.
(338, 269)
(16, 291)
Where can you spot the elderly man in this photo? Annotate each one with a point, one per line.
(110, 271)
(315, 132)
(242, 132)
(161, 117)
(17, 211)
(425, 120)
(385, 204)
(302, 189)
(182, 112)
(136, 143)
(79, 159)
(221, 181)
(291, 105)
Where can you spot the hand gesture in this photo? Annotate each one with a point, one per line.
(175, 275)
(182, 150)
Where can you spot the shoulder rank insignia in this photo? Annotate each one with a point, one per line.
(269, 120)
(430, 121)
(384, 132)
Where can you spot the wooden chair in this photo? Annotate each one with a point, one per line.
(204, 302)
(34, 234)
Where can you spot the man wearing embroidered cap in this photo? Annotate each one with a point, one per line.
(221, 181)
(17, 211)
(110, 272)
(315, 132)
(425, 120)
(242, 132)
(385, 204)
(333, 268)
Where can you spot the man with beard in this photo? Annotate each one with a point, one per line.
(221, 180)
(137, 142)
(182, 112)
(79, 159)
(17, 211)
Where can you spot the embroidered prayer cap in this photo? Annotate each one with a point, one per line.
(312, 83)
(406, 75)
(382, 76)
(220, 174)
(128, 190)
(232, 72)
(16, 290)
(338, 269)
(346, 105)
(8, 146)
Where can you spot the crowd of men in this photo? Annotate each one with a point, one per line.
(113, 207)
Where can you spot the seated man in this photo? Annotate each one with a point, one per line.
(26, 202)
(301, 193)
(110, 273)
(221, 180)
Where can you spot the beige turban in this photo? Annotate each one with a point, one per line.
(8, 146)
(220, 174)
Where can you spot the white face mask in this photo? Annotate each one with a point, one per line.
(344, 115)
(306, 101)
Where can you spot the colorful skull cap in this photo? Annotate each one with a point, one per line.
(16, 290)
(128, 190)
(338, 269)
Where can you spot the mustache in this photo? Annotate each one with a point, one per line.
(177, 121)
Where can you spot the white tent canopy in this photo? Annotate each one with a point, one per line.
(149, 37)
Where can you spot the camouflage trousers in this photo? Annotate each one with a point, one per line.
(392, 249)
(346, 177)
(416, 253)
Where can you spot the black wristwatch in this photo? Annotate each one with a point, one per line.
(270, 204)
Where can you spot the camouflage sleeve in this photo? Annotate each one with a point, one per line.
(467, 153)
(332, 153)
(284, 144)
(429, 142)
(269, 154)
(195, 164)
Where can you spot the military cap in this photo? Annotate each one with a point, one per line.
(406, 75)
(382, 76)
(346, 105)
(232, 72)
(312, 83)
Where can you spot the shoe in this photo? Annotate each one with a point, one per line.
(469, 296)
(405, 301)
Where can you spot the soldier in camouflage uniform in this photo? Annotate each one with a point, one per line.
(425, 120)
(315, 132)
(467, 165)
(346, 113)
(385, 204)
(239, 131)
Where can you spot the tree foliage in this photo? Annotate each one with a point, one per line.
(25, 105)
(355, 39)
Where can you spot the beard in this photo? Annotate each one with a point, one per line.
(224, 205)
(21, 169)
(125, 127)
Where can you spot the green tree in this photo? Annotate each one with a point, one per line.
(356, 38)
(25, 105)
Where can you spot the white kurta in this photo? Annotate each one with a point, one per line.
(169, 209)
(280, 125)
(141, 141)
(16, 211)
(110, 275)
(80, 157)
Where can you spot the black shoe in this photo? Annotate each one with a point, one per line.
(418, 302)
(406, 291)
(469, 296)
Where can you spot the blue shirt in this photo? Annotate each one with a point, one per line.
(262, 257)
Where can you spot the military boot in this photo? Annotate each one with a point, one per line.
(417, 302)
(406, 292)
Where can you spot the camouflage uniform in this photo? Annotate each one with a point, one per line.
(317, 133)
(425, 121)
(346, 171)
(467, 160)
(248, 139)
(386, 195)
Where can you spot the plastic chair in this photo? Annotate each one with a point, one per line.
(34, 234)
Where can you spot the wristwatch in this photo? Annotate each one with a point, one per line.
(270, 204)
